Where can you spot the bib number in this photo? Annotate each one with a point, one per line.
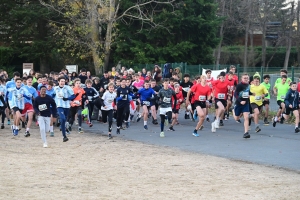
(167, 100)
(221, 96)
(202, 98)
(124, 96)
(76, 102)
(257, 98)
(90, 98)
(60, 95)
(245, 95)
(42, 107)
(282, 97)
(146, 103)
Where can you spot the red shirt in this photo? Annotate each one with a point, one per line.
(178, 96)
(201, 93)
(235, 77)
(221, 89)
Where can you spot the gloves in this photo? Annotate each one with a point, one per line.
(65, 99)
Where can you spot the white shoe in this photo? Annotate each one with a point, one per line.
(217, 124)
(162, 134)
(213, 127)
(45, 145)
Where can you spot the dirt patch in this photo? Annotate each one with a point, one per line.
(90, 166)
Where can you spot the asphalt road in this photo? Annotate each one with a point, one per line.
(279, 146)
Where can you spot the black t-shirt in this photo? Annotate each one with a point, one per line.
(35, 85)
(96, 86)
(82, 79)
(123, 93)
(104, 82)
(185, 85)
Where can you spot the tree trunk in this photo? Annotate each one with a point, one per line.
(108, 36)
(221, 37)
(263, 43)
(247, 35)
(298, 35)
(289, 39)
(42, 34)
(44, 65)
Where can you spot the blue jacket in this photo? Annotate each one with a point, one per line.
(166, 70)
(291, 98)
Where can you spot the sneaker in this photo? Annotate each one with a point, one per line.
(221, 123)
(37, 123)
(149, 115)
(185, 116)
(188, 116)
(8, 122)
(166, 122)
(296, 130)
(281, 120)
(68, 132)
(155, 122)
(80, 130)
(45, 145)
(207, 119)
(65, 139)
(15, 132)
(109, 136)
(51, 134)
(213, 127)
(201, 127)
(127, 124)
(118, 130)
(217, 124)
(27, 134)
(138, 117)
(238, 121)
(195, 134)
(90, 124)
(266, 121)
(246, 135)
(145, 127)
(2, 126)
(131, 117)
(274, 122)
(171, 128)
(195, 116)
(257, 129)
(162, 134)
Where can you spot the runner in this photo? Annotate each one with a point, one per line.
(176, 108)
(202, 92)
(44, 106)
(292, 104)
(232, 83)
(91, 94)
(242, 103)
(186, 85)
(209, 80)
(165, 97)
(266, 101)
(2, 101)
(256, 100)
(280, 89)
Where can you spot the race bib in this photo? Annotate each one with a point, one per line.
(245, 94)
(282, 97)
(146, 103)
(90, 98)
(167, 100)
(19, 96)
(124, 96)
(105, 87)
(42, 107)
(76, 102)
(202, 98)
(257, 98)
(60, 94)
(187, 89)
(221, 96)
(110, 100)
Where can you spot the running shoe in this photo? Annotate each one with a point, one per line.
(2, 126)
(171, 128)
(296, 130)
(185, 116)
(246, 135)
(149, 115)
(8, 122)
(195, 117)
(45, 145)
(274, 122)
(80, 130)
(51, 134)
(109, 136)
(266, 122)
(207, 119)
(281, 120)
(221, 123)
(68, 126)
(15, 132)
(131, 117)
(154, 121)
(217, 124)
(145, 127)
(127, 124)
(90, 124)
(162, 134)
(65, 139)
(257, 129)
(166, 122)
(27, 134)
(192, 117)
(238, 121)
(188, 116)
(118, 130)
(68, 132)
(138, 117)
(195, 134)
(213, 127)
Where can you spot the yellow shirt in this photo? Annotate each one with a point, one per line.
(258, 91)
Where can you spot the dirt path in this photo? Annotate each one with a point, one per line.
(90, 166)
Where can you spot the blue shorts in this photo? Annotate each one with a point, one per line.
(239, 109)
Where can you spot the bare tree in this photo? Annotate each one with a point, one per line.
(289, 38)
(221, 34)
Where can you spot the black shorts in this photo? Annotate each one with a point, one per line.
(15, 109)
(288, 110)
(202, 104)
(223, 101)
(279, 103)
(266, 102)
(175, 111)
(254, 105)
(193, 106)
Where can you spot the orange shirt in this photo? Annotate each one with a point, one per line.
(78, 100)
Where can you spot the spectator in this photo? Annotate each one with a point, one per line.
(144, 72)
(157, 73)
(74, 75)
(88, 75)
(113, 71)
(179, 74)
(83, 76)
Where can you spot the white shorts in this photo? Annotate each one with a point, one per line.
(163, 111)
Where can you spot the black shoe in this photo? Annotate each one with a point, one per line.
(171, 128)
(27, 134)
(207, 119)
(246, 135)
(281, 120)
(185, 116)
(155, 122)
(221, 123)
(65, 139)
(127, 124)
(238, 121)
(118, 130)
(138, 118)
(266, 121)
(149, 115)
(188, 116)
(2, 126)
(257, 129)
(297, 130)
(109, 136)
(274, 122)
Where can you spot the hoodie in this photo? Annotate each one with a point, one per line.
(178, 71)
(291, 98)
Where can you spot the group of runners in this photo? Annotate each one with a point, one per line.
(122, 98)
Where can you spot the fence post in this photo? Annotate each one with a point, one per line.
(200, 70)
(293, 73)
(218, 67)
(238, 70)
(261, 72)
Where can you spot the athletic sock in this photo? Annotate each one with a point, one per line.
(145, 123)
(51, 128)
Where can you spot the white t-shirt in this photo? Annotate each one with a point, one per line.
(108, 99)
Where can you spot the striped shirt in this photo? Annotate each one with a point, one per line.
(16, 97)
(60, 93)
(32, 91)
(2, 93)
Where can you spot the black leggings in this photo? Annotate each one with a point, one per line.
(72, 113)
(2, 112)
(120, 114)
(109, 114)
(163, 118)
(90, 106)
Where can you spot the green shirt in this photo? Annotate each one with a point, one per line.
(267, 86)
(282, 90)
(288, 80)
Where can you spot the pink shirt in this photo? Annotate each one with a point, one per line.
(139, 84)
